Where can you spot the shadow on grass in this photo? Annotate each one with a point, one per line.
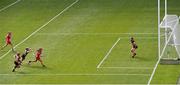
(36, 67)
(141, 58)
(20, 72)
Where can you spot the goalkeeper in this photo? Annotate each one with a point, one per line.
(134, 47)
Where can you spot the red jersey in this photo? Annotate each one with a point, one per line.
(8, 38)
(38, 55)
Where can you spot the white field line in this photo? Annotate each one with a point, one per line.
(9, 5)
(75, 74)
(41, 27)
(163, 50)
(154, 70)
(126, 67)
(108, 53)
(96, 34)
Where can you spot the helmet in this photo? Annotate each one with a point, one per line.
(18, 53)
(27, 49)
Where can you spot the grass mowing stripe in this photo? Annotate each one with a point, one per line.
(9, 5)
(41, 27)
(68, 84)
(96, 34)
(115, 74)
(122, 37)
(127, 68)
(108, 53)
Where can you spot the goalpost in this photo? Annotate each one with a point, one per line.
(168, 34)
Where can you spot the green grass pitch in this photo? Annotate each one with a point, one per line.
(79, 35)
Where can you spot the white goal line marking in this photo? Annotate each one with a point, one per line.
(9, 5)
(41, 27)
(126, 67)
(75, 74)
(108, 52)
(163, 50)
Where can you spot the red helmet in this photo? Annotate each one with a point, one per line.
(9, 33)
(40, 49)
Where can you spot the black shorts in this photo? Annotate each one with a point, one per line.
(136, 47)
(23, 57)
(16, 63)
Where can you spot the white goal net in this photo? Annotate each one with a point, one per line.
(169, 32)
(170, 37)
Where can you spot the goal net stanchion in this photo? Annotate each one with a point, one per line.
(169, 37)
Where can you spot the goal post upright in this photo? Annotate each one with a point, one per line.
(165, 4)
(159, 47)
(165, 14)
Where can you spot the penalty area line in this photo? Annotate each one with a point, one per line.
(9, 5)
(98, 66)
(41, 27)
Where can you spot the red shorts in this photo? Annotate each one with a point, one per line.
(8, 42)
(38, 59)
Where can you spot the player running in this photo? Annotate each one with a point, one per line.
(8, 41)
(134, 47)
(17, 62)
(38, 57)
(27, 51)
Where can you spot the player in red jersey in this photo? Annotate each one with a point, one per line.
(8, 41)
(17, 61)
(134, 47)
(38, 57)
